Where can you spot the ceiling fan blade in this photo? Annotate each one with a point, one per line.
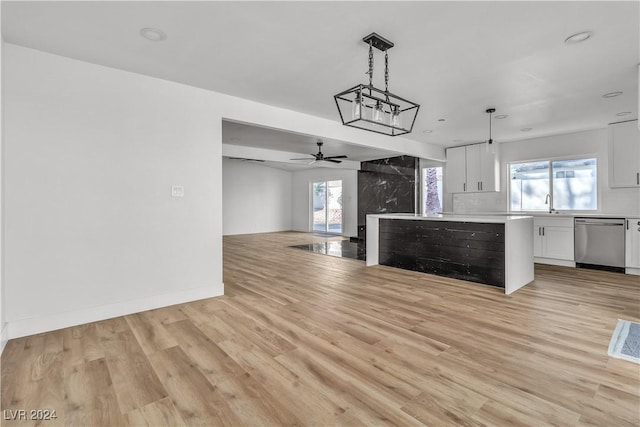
(332, 161)
(336, 157)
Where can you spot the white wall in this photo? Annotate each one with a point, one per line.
(255, 198)
(3, 331)
(589, 143)
(91, 228)
(302, 197)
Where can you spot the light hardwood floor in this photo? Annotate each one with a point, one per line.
(308, 339)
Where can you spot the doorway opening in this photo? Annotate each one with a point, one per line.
(327, 206)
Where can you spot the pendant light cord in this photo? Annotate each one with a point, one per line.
(370, 72)
(386, 72)
(490, 121)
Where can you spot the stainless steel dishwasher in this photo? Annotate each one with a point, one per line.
(599, 243)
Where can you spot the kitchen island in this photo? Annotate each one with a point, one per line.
(493, 250)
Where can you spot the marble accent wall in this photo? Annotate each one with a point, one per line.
(387, 186)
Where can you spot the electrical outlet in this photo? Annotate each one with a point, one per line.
(177, 191)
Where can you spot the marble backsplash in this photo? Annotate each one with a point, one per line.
(386, 186)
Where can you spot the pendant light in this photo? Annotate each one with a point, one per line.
(376, 110)
(489, 145)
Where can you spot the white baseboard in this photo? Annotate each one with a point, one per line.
(51, 322)
(552, 261)
(3, 337)
(634, 271)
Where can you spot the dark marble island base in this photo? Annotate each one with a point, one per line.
(462, 250)
(496, 251)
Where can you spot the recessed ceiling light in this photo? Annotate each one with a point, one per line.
(611, 94)
(578, 37)
(427, 131)
(501, 116)
(441, 120)
(153, 34)
(623, 113)
(526, 129)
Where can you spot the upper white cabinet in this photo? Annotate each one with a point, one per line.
(624, 154)
(456, 170)
(472, 169)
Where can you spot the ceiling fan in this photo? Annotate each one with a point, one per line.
(319, 157)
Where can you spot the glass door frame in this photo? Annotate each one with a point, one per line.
(326, 207)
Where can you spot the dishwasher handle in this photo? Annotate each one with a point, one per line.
(606, 222)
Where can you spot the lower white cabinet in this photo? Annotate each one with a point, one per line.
(553, 241)
(632, 243)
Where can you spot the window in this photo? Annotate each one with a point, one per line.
(569, 184)
(432, 190)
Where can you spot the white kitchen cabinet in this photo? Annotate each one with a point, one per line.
(624, 154)
(553, 241)
(472, 169)
(456, 170)
(632, 245)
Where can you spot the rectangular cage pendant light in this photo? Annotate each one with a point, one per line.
(376, 110)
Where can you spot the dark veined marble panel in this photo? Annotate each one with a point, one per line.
(463, 250)
(386, 186)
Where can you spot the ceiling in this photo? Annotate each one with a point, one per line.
(454, 58)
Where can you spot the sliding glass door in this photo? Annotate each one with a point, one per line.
(327, 206)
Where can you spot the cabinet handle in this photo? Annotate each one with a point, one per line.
(543, 231)
(627, 224)
(464, 186)
(539, 231)
(638, 178)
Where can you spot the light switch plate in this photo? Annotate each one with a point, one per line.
(177, 191)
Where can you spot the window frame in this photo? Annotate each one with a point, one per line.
(423, 164)
(550, 160)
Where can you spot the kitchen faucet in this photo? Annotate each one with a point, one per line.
(547, 201)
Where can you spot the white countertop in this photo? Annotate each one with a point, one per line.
(453, 217)
(549, 215)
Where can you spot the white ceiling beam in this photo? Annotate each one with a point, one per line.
(244, 152)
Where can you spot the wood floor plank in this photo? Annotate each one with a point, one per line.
(159, 413)
(150, 332)
(134, 380)
(90, 399)
(210, 359)
(197, 401)
(81, 345)
(308, 339)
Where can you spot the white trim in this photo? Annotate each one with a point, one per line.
(34, 325)
(634, 271)
(3, 337)
(552, 261)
